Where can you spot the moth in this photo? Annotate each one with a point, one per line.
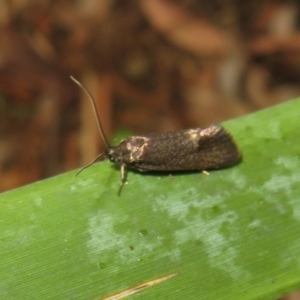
(183, 150)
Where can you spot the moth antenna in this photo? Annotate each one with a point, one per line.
(96, 115)
(91, 163)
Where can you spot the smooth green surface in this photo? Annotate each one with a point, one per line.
(232, 235)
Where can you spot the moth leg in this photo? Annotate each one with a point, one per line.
(205, 172)
(123, 178)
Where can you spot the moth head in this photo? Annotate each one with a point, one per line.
(129, 151)
(114, 154)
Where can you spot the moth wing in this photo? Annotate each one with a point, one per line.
(192, 149)
(216, 148)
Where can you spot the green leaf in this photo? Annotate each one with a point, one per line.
(234, 234)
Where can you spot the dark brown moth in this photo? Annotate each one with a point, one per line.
(183, 150)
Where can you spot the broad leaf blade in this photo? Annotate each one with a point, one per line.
(231, 235)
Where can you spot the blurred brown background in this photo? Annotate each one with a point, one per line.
(152, 66)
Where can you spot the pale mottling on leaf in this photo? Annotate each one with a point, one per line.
(288, 162)
(279, 183)
(73, 188)
(255, 223)
(216, 245)
(38, 201)
(102, 233)
(271, 130)
(284, 184)
(78, 184)
(238, 178)
(85, 182)
(172, 254)
(103, 238)
(287, 258)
